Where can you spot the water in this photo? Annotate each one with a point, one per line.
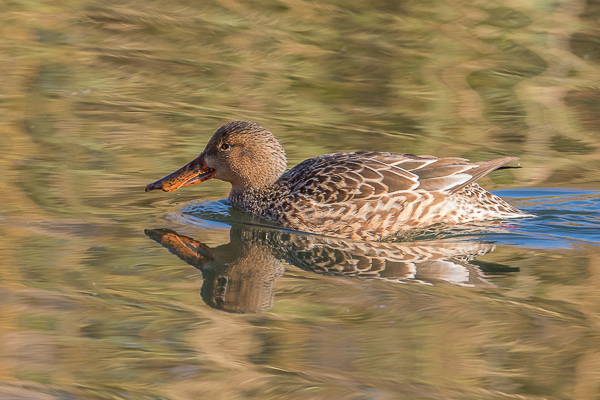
(109, 292)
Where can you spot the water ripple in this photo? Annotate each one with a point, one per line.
(564, 217)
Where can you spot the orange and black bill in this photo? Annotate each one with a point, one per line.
(195, 172)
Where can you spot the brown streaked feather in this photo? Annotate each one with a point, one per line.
(436, 171)
(444, 183)
(370, 195)
(363, 195)
(368, 175)
(485, 167)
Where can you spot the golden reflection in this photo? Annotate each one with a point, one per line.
(239, 276)
(95, 95)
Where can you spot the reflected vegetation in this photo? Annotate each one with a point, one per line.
(239, 276)
(98, 97)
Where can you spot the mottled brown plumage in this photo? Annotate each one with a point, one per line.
(362, 195)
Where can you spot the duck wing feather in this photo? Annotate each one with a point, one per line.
(341, 177)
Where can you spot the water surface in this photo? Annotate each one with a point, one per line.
(112, 293)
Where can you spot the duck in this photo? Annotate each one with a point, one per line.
(363, 195)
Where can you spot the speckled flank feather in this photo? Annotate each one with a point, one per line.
(372, 195)
(362, 195)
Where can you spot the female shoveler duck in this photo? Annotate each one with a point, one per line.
(362, 195)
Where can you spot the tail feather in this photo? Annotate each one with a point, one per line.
(484, 168)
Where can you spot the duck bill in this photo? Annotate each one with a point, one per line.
(194, 172)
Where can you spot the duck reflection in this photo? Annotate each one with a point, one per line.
(239, 276)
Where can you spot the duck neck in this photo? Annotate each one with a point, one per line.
(257, 200)
(242, 193)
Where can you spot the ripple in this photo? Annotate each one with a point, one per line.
(564, 217)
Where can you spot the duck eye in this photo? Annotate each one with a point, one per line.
(225, 146)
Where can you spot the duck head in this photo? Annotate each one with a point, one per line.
(241, 152)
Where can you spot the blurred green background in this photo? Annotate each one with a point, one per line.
(99, 98)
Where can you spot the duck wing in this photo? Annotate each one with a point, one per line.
(340, 177)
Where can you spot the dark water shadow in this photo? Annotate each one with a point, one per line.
(239, 276)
